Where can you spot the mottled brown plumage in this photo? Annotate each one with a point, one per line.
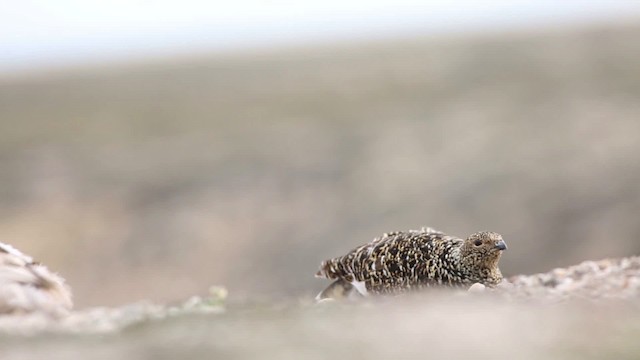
(26, 286)
(401, 261)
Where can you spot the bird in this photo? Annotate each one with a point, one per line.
(28, 287)
(403, 261)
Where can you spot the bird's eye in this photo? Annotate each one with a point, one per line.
(477, 242)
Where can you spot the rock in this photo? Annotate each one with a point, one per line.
(29, 287)
(477, 288)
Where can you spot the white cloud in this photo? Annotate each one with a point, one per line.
(40, 33)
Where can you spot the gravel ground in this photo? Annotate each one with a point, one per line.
(586, 311)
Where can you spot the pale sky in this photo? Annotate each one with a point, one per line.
(46, 34)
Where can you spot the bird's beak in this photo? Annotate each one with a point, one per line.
(501, 245)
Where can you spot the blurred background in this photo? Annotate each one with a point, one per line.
(149, 150)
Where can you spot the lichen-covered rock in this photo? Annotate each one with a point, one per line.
(608, 278)
(27, 286)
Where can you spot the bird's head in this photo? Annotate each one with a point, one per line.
(484, 248)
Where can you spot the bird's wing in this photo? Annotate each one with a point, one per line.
(351, 264)
(431, 231)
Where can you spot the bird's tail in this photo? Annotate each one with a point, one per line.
(323, 272)
(339, 289)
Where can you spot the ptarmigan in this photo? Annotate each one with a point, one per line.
(401, 261)
(27, 287)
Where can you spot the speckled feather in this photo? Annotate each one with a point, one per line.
(402, 261)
